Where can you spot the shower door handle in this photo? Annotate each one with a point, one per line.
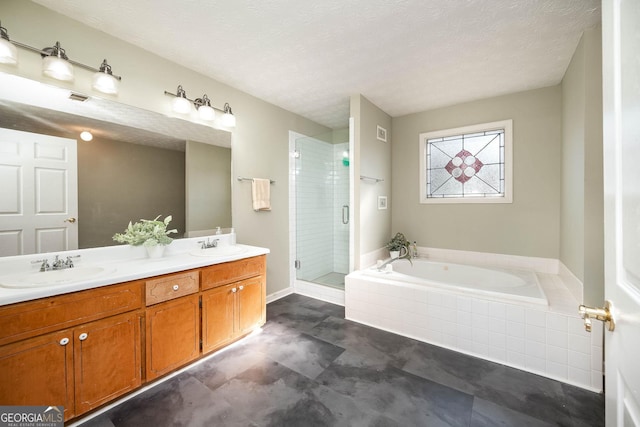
(345, 214)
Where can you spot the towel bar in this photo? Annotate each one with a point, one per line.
(251, 179)
(363, 177)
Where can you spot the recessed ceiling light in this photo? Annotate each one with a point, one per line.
(86, 136)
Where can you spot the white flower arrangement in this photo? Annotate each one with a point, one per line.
(147, 232)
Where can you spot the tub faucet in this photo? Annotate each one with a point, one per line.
(383, 265)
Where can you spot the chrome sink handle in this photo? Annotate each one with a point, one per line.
(45, 264)
(69, 262)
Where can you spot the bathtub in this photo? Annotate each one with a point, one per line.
(499, 315)
(494, 284)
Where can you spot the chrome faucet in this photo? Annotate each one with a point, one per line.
(208, 244)
(58, 263)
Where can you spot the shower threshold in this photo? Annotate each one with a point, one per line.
(333, 279)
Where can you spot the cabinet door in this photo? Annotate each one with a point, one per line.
(250, 304)
(106, 359)
(218, 317)
(38, 371)
(173, 335)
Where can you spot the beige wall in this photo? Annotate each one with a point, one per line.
(582, 215)
(259, 141)
(373, 159)
(529, 226)
(572, 210)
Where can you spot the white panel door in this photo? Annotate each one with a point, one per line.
(38, 193)
(621, 81)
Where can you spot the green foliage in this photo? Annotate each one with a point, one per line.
(146, 232)
(398, 242)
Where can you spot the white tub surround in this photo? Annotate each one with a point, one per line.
(548, 340)
(494, 284)
(120, 263)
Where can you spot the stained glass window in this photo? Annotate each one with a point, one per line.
(464, 164)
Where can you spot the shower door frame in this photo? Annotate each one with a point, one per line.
(314, 290)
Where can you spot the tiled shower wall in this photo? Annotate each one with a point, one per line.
(322, 189)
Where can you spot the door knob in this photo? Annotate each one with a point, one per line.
(602, 314)
(71, 220)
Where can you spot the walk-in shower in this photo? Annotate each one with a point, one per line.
(322, 211)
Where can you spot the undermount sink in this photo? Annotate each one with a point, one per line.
(50, 278)
(218, 251)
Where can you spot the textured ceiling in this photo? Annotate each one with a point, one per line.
(309, 56)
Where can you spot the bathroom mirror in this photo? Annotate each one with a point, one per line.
(139, 163)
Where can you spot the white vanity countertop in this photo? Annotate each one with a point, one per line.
(120, 264)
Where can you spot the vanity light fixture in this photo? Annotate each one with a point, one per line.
(183, 105)
(228, 119)
(56, 64)
(104, 80)
(205, 110)
(8, 52)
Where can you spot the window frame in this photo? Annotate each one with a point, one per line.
(507, 125)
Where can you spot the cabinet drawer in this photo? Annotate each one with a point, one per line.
(31, 318)
(229, 272)
(171, 286)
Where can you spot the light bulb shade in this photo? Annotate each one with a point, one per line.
(105, 83)
(8, 52)
(181, 105)
(57, 68)
(206, 113)
(228, 120)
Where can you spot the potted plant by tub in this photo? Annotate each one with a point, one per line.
(398, 246)
(152, 234)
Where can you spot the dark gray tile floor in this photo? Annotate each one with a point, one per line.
(311, 367)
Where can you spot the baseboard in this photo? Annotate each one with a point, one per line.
(279, 294)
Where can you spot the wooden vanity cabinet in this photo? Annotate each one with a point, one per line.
(251, 304)
(81, 366)
(231, 310)
(84, 349)
(38, 371)
(106, 356)
(172, 322)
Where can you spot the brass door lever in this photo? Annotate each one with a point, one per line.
(602, 314)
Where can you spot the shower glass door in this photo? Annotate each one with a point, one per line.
(322, 211)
